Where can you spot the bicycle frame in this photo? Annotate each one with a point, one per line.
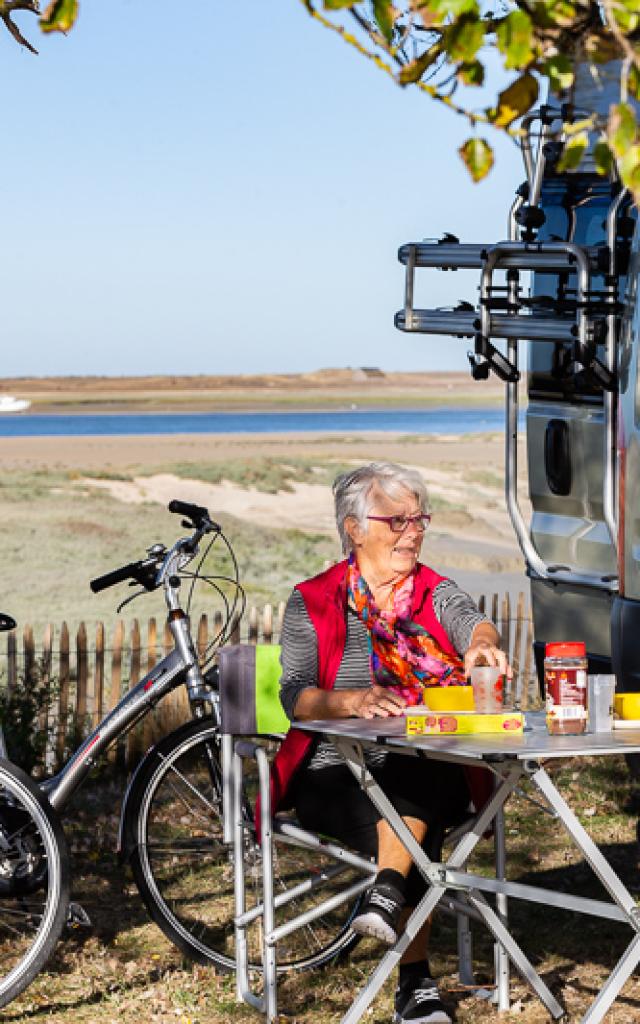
(178, 667)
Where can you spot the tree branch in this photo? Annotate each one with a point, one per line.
(623, 42)
(431, 90)
(7, 7)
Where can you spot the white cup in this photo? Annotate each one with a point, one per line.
(600, 693)
(488, 689)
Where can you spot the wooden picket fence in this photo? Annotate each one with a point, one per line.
(87, 675)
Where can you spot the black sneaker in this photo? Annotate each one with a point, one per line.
(420, 1003)
(379, 914)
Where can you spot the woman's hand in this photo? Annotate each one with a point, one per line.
(376, 702)
(485, 653)
(484, 650)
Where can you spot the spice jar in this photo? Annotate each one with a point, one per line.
(565, 684)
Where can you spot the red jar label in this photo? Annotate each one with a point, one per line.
(566, 698)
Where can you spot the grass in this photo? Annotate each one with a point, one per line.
(271, 475)
(123, 969)
(254, 399)
(58, 535)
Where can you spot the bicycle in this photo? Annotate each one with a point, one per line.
(171, 829)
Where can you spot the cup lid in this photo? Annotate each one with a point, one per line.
(574, 649)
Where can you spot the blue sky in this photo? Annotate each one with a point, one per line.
(223, 192)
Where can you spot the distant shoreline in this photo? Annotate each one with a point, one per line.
(324, 390)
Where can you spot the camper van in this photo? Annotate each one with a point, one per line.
(562, 285)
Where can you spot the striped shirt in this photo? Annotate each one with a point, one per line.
(456, 612)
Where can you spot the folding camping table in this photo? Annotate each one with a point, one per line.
(512, 759)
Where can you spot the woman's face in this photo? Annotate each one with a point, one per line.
(388, 553)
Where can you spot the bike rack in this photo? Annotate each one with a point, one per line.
(578, 317)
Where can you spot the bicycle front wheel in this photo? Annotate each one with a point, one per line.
(34, 881)
(172, 834)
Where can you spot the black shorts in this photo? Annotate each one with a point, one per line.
(330, 801)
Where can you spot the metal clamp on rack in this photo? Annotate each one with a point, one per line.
(510, 317)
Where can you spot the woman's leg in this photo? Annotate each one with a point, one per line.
(330, 801)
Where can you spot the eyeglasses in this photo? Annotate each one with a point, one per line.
(398, 524)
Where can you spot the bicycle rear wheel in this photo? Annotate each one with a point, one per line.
(172, 836)
(34, 881)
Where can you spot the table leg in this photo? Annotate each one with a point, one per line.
(502, 903)
(435, 875)
(592, 854)
(520, 961)
(614, 886)
(620, 974)
(392, 958)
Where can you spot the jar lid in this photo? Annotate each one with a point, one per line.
(577, 649)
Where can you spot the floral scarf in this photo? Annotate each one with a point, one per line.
(403, 656)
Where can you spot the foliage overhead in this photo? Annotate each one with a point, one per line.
(58, 16)
(443, 47)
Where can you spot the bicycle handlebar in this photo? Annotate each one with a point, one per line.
(146, 572)
(141, 572)
(198, 514)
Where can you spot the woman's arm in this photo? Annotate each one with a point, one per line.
(372, 702)
(472, 634)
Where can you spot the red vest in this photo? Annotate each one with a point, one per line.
(325, 598)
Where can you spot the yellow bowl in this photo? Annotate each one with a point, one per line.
(627, 705)
(448, 698)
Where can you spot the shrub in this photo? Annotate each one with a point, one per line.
(24, 717)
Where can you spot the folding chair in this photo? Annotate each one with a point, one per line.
(291, 885)
(295, 892)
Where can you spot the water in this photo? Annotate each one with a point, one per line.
(347, 421)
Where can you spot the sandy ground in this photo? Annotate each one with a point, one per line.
(122, 452)
(474, 541)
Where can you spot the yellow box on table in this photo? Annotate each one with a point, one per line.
(450, 709)
(464, 723)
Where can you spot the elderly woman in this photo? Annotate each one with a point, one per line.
(361, 640)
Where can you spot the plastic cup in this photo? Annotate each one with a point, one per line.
(488, 689)
(627, 706)
(600, 696)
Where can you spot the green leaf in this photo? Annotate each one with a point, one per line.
(573, 152)
(336, 5)
(622, 128)
(454, 7)
(471, 73)
(384, 15)
(414, 71)
(515, 39)
(464, 37)
(477, 155)
(59, 16)
(553, 13)
(626, 15)
(514, 101)
(560, 73)
(633, 81)
(629, 167)
(586, 124)
(603, 158)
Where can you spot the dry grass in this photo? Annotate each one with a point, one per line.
(124, 969)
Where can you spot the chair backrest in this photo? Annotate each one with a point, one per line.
(249, 679)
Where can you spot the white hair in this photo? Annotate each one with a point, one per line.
(352, 493)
